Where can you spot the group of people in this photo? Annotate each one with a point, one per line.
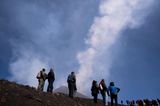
(111, 91)
(144, 102)
(42, 76)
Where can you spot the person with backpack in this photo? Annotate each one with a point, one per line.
(94, 90)
(51, 78)
(113, 93)
(103, 90)
(71, 80)
(41, 76)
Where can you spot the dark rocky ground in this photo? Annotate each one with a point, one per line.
(12, 94)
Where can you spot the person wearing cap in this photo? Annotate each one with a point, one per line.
(41, 76)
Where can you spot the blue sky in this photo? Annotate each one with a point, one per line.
(67, 35)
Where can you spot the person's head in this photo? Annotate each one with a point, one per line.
(94, 82)
(43, 70)
(72, 72)
(111, 83)
(51, 70)
(102, 81)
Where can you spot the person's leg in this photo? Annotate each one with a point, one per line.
(51, 86)
(104, 99)
(93, 98)
(72, 90)
(48, 88)
(96, 98)
(39, 85)
(69, 88)
(70, 93)
(70, 85)
(42, 84)
(116, 101)
(111, 100)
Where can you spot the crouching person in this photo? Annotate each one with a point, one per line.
(41, 76)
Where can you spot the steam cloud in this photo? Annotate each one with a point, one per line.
(114, 17)
(43, 34)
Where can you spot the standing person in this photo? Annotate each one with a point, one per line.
(113, 93)
(41, 76)
(94, 90)
(158, 101)
(103, 90)
(51, 78)
(72, 84)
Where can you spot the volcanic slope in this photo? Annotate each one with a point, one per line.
(13, 94)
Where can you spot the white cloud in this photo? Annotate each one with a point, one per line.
(26, 67)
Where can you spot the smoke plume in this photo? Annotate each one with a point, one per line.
(114, 17)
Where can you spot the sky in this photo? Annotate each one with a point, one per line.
(114, 40)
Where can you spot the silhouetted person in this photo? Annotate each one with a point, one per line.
(94, 90)
(103, 90)
(121, 102)
(51, 78)
(113, 93)
(147, 102)
(41, 76)
(132, 103)
(72, 84)
(154, 103)
(127, 101)
(139, 102)
(158, 101)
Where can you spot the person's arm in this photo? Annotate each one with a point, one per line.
(53, 76)
(43, 75)
(118, 89)
(74, 79)
(107, 91)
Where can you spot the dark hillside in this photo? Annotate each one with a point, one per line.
(12, 94)
(64, 90)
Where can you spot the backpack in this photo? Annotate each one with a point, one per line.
(69, 79)
(39, 75)
(100, 86)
